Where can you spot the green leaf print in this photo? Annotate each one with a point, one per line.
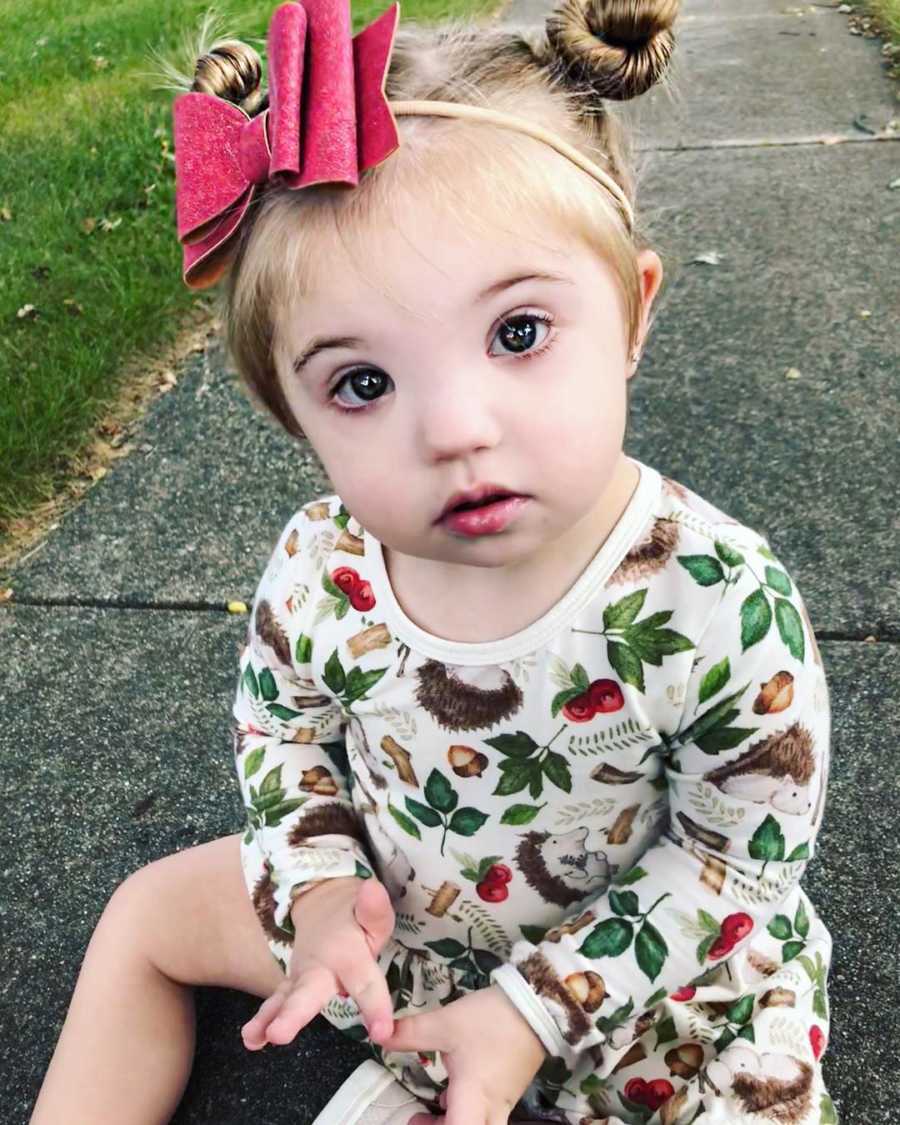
(704, 947)
(518, 745)
(580, 678)
(818, 975)
(746, 1032)
(756, 617)
(359, 682)
(630, 876)
(606, 1024)
(653, 646)
(515, 777)
(333, 673)
(253, 761)
(778, 581)
(665, 1031)
(272, 781)
(780, 927)
(766, 554)
(562, 698)
(790, 949)
(557, 769)
(303, 650)
(724, 738)
(486, 961)
(439, 793)
(404, 821)
(624, 611)
(281, 712)
(467, 821)
(447, 947)
(741, 1010)
(626, 663)
(827, 1113)
(362, 872)
(719, 715)
(704, 569)
(624, 902)
(520, 814)
(611, 938)
(768, 840)
(801, 920)
(422, 812)
(534, 934)
(728, 554)
(790, 627)
(650, 950)
(800, 852)
(251, 682)
(714, 680)
(274, 816)
(709, 923)
(268, 689)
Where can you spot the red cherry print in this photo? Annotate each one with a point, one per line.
(345, 578)
(362, 597)
(498, 873)
(686, 992)
(605, 696)
(579, 709)
(817, 1040)
(492, 892)
(636, 1090)
(736, 926)
(720, 947)
(658, 1091)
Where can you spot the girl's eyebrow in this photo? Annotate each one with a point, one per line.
(322, 343)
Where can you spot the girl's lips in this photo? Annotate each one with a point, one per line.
(486, 519)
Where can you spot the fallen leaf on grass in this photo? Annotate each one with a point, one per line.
(5, 214)
(28, 311)
(167, 381)
(5, 594)
(710, 259)
(865, 313)
(88, 225)
(72, 306)
(110, 224)
(792, 373)
(100, 63)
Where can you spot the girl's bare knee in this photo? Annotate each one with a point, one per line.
(191, 916)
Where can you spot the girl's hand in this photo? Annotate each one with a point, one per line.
(489, 1051)
(341, 926)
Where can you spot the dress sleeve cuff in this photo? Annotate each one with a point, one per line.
(508, 977)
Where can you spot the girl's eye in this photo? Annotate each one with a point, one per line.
(517, 332)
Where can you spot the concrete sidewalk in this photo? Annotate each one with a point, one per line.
(122, 607)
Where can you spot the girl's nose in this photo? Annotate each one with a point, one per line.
(457, 418)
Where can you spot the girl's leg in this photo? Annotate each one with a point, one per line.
(126, 1047)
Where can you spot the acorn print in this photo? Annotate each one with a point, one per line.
(319, 780)
(775, 695)
(587, 988)
(685, 1060)
(466, 761)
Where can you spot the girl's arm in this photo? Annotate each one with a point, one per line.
(746, 769)
(289, 735)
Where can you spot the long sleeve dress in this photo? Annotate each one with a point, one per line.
(606, 814)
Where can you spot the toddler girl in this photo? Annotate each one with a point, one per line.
(532, 739)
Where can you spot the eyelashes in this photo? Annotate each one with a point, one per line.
(505, 322)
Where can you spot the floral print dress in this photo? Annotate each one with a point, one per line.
(606, 814)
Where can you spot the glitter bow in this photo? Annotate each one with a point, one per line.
(327, 122)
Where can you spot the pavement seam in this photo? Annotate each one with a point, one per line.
(863, 636)
(825, 140)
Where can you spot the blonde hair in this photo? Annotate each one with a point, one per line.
(558, 76)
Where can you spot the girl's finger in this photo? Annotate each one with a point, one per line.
(253, 1031)
(424, 1032)
(466, 1106)
(311, 992)
(365, 982)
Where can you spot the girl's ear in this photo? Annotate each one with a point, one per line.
(651, 271)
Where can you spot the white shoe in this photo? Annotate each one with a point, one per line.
(371, 1096)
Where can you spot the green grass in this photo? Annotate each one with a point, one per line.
(85, 136)
(887, 14)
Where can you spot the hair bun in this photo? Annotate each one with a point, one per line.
(231, 70)
(619, 47)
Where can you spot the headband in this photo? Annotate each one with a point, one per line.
(342, 125)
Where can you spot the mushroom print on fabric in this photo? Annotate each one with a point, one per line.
(606, 814)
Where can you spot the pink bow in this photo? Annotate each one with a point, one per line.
(339, 127)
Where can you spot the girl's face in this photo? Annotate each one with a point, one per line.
(466, 378)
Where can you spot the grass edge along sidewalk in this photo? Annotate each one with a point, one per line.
(92, 296)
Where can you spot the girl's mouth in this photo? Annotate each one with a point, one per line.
(487, 517)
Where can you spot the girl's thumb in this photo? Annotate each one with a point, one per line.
(373, 909)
